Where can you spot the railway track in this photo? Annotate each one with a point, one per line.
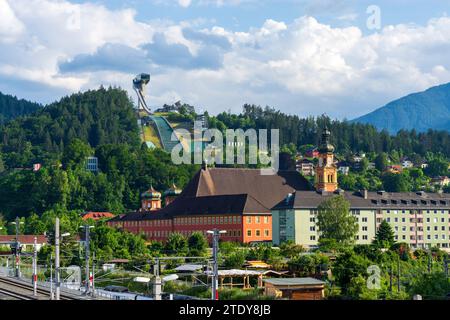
(16, 295)
(29, 288)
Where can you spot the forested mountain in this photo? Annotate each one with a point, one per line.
(421, 111)
(11, 107)
(346, 136)
(97, 117)
(60, 136)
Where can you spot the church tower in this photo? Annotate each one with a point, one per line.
(326, 170)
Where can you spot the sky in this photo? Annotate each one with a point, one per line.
(343, 58)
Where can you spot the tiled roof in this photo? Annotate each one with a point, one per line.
(97, 215)
(381, 199)
(294, 281)
(24, 239)
(267, 189)
(210, 205)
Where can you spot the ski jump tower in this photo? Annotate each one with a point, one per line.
(139, 84)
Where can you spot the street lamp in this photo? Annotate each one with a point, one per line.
(17, 223)
(58, 240)
(215, 281)
(87, 228)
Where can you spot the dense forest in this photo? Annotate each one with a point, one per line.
(11, 107)
(60, 137)
(103, 116)
(346, 136)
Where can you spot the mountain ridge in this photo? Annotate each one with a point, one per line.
(429, 109)
(12, 107)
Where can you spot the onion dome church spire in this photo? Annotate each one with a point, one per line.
(326, 170)
(151, 200)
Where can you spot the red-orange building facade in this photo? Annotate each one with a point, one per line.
(237, 228)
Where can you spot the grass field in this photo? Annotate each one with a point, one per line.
(151, 135)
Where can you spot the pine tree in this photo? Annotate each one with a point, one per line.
(2, 166)
(385, 236)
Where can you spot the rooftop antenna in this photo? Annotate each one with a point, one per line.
(139, 84)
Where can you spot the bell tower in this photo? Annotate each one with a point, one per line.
(326, 170)
(150, 200)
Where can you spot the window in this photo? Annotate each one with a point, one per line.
(364, 237)
(312, 219)
(266, 233)
(312, 228)
(257, 219)
(388, 219)
(249, 219)
(266, 219)
(258, 233)
(395, 219)
(249, 232)
(312, 238)
(403, 219)
(365, 228)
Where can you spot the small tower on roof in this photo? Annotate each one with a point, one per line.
(171, 194)
(326, 171)
(151, 200)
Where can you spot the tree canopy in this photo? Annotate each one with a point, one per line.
(335, 221)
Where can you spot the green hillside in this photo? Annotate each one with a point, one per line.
(12, 107)
(97, 117)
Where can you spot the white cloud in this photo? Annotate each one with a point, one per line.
(304, 67)
(10, 25)
(184, 3)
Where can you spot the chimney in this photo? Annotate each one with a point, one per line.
(364, 193)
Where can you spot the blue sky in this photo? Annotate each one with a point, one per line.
(242, 15)
(304, 57)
